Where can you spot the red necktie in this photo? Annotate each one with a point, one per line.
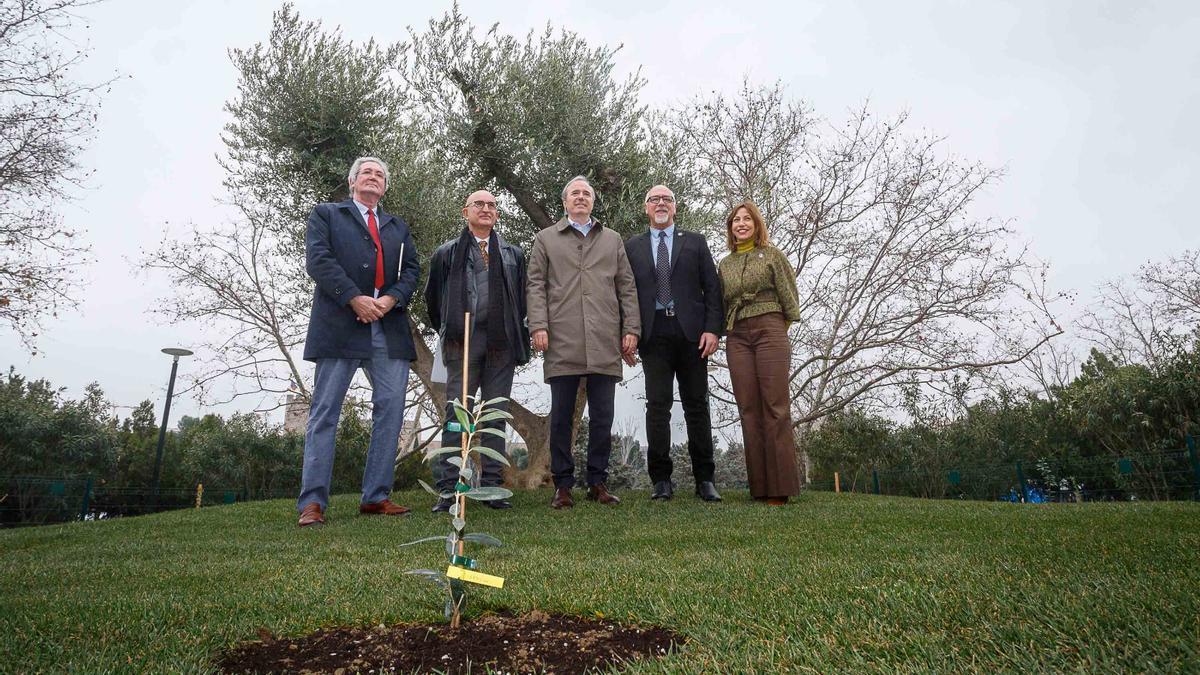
(378, 248)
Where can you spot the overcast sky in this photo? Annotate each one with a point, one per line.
(1089, 106)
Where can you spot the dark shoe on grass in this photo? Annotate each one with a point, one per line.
(499, 503)
(442, 505)
(663, 489)
(707, 491)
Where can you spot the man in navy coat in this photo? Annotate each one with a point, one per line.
(365, 267)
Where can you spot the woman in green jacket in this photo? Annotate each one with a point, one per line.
(759, 288)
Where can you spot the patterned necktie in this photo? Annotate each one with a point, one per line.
(483, 252)
(662, 269)
(374, 228)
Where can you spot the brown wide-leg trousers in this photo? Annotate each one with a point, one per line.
(759, 364)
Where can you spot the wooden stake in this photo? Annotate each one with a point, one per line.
(466, 433)
(837, 483)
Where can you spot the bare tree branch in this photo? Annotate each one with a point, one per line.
(46, 119)
(1145, 319)
(900, 285)
(235, 278)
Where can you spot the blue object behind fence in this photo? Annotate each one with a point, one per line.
(1036, 496)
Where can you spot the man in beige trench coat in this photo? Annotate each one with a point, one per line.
(583, 314)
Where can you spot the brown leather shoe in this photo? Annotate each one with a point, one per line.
(385, 507)
(562, 499)
(599, 493)
(311, 515)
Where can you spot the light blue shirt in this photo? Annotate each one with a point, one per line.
(362, 211)
(669, 233)
(583, 229)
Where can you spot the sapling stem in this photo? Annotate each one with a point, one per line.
(468, 432)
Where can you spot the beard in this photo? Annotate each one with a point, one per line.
(661, 218)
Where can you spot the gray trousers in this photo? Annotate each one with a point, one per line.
(389, 380)
(482, 380)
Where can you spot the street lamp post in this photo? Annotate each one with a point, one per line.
(175, 352)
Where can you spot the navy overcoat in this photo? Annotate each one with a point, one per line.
(340, 257)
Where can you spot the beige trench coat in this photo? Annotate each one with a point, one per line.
(581, 291)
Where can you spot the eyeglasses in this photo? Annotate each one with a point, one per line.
(660, 199)
(481, 205)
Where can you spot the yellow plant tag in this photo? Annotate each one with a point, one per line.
(456, 572)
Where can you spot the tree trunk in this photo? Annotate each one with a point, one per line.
(532, 427)
(535, 429)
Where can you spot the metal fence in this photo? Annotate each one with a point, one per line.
(40, 500)
(1169, 475)
(1157, 476)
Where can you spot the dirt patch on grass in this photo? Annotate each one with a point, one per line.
(531, 643)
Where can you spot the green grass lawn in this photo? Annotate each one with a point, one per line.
(831, 582)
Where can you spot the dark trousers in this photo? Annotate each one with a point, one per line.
(490, 380)
(601, 393)
(669, 357)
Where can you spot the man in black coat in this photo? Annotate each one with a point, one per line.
(365, 267)
(679, 294)
(481, 273)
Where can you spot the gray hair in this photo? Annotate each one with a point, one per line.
(578, 179)
(660, 185)
(387, 176)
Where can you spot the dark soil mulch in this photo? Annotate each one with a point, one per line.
(536, 642)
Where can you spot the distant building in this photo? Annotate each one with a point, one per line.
(295, 414)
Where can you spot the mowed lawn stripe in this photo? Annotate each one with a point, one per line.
(829, 582)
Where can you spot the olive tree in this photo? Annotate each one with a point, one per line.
(453, 109)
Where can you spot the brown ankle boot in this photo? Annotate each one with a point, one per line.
(599, 493)
(562, 499)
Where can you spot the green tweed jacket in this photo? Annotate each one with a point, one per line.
(758, 282)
